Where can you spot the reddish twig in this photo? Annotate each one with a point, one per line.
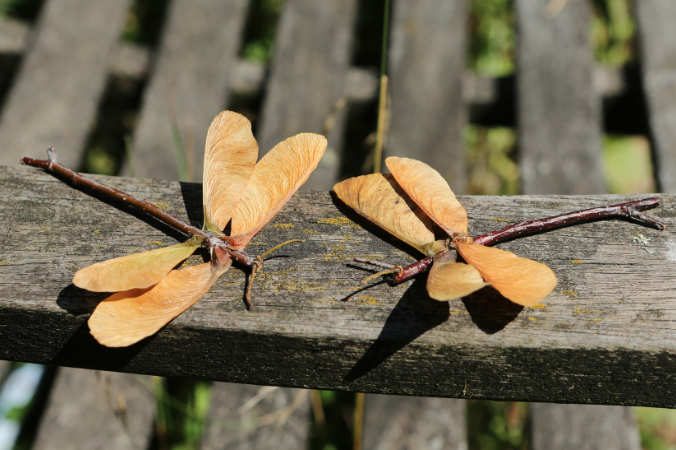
(216, 244)
(629, 210)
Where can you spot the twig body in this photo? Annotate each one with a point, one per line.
(629, 210)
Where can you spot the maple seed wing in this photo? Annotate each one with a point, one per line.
(229, 160)
(431, 192)
(127, 317)
(521, 280)
(277, 176)
(137, 271)
(379, 198)
(449, 280)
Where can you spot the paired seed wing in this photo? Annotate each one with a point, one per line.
(137, 271)
(127, 317)
(521, 280)
(431, 192)
(275, 179)
(229, 160)
(379, 198)
(449, 279)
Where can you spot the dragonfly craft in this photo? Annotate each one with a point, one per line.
(409, 202)
(236, 191)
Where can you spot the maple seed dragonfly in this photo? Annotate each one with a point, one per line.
(407, 203)
(236, 191)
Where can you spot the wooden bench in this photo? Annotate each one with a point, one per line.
(385, 340)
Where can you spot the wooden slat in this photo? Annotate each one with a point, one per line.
(656, 35)
(250, 417)
(606, 335)
(308, 78)
(198, 51)
(583, 427)
(559, 121)
(426, 63)
(89, 409)
(426, 66)
(55, 97)
(559, 134)
(415, 423)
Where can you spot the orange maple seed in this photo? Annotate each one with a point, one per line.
(127, 317)
(229, 160)
(431, 192)
(274, 180)
(521, 280)
(136, 271)
(449, 279)
(379, 198)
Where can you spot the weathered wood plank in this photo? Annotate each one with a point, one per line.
(308, 79)
(656, 36)
(428, 113)
(55, 97)
(426, 63)
(430, 423)
(559, 120)
(89, 409)
(559, 131)
(606, 334)
(583, 427)
(251, 417)
(198, 51)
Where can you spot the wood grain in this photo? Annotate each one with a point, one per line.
(583, 427)
(606, 334)
(426, 66)
(308, 79)
(656, 37)
(54, 99)
(559, 117)
(89, 409)
(256, 418)
(198, 52)
(399, 423)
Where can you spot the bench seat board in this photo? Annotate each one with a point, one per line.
(606, 334)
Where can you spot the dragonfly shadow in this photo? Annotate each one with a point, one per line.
(82, 350)
(490, 311)
(79, 301)
(192, 199)
(82, 344)
(414, 315)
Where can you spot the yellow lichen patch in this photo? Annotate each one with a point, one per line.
(284, 226)
(454, 312)
(158, 243)
(596, 320)
(538, 306)
(163, 206)
(367, 299)
(586, 311)
(339, 221)
(310, 231)
(498, 219)
(576, 261)
(45, 228)
(571, 293)
(4, 263)
(96, 231)
(532, 319)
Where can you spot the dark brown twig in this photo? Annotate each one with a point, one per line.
(629, 210)
(216, 244)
